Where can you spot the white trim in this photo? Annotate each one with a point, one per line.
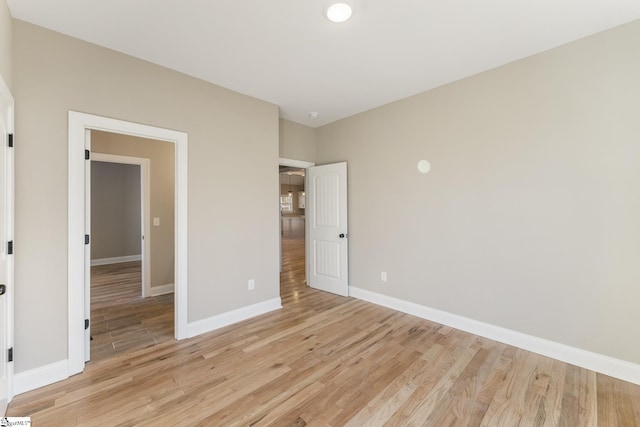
(116, 260)
(145, 209)
(5, 93)
(87, 247)
(294, 163)
(41, 376)
(225, 319)
(7, 110)
(616, 368)
(161, 290)
(78, 123)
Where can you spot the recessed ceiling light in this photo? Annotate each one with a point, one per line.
(338, 12)
(314, 115)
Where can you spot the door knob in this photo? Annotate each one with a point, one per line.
(342, 235)
(3, 289)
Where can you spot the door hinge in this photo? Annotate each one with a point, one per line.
(10, 137)
(86, 239)
(86, 324)
(87, 154)
(10, 354)
(10, 247)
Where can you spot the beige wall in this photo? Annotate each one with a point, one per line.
(6, 46)
(115, 210)
(297, 142)
(161, 155)
(226, 247)
(529, 218)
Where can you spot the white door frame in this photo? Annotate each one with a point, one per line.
(145, 209)
(78, 124)
(294, 164)
(87, 247)
(7, 111)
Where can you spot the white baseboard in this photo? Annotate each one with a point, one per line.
(161, 290)
(616, 368)
(40, 377)
(116, 260)
(231, 317)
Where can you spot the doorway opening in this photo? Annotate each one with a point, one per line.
(292, 203)
(121, 210)
(131, 296)
(80, 127)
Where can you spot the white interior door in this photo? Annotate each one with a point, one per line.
(87, 247)
(327, 233)
(6, 246)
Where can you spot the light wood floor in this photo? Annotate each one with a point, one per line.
(121, 320)
(327, 360)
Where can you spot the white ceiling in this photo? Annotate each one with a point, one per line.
(287, 53)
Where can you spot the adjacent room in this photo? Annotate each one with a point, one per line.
(329, 213)
(132, 244)
(292, 218)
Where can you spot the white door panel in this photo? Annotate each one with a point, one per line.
(87, 249)
(6, 257)
(327, 228)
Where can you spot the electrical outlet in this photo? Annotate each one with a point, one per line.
(383, 276)
(252, 284)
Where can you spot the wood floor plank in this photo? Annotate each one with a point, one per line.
(408, 400)
(454, 409)
(121, 320)
(387, 402)
(577, 408)
(437, 395)
(322, 360)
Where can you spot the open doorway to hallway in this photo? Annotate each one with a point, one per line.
(292, 229)
(132, 243)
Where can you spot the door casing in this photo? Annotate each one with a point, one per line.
(7, 225)
(79, 123)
